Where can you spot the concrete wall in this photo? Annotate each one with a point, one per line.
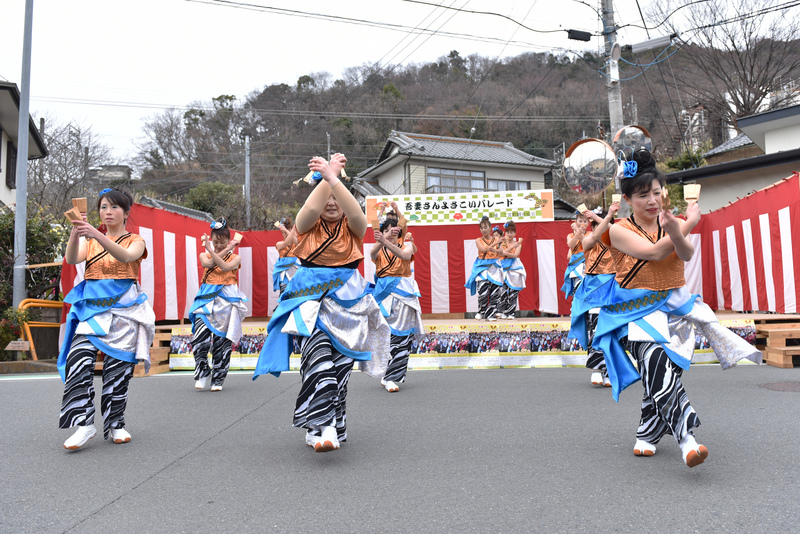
(718, 192)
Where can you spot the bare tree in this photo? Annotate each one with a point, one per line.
(64, 173)
(743, 53)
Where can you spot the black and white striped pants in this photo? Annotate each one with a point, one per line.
(665, 407)
(77, 405)
(508, 300)
(400, 347)
(488, 298)
(203, 341)
(595, 359)
(324, 372)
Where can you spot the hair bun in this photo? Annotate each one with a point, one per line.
(644, 160)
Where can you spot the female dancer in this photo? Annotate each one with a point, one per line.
(513, 272)
(574, 273)
(287, 263)
(594, 292)
(397, 294)
(327, 305)
(487, 273)
(218, 309)
(109, 313)
(653, 315)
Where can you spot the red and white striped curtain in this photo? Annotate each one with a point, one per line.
(747, 254)
(746, 258)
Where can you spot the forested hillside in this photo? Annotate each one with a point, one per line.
(540, 102)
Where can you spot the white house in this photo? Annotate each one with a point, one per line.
(9, 124)
(777, 133)
(413, 163)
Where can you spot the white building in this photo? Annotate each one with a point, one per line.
(9, 124)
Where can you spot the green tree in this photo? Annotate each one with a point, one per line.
(45, 238)
(214, 197)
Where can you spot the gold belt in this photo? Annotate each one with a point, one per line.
(315, 289)
(637, 303)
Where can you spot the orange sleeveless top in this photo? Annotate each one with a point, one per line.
(329, 245)
(100, 265)
(387, 264)
(598, 259)
(287, 251)
(488, 255)
(578, 246)
(508, 246)
(216, 276)
(633, 273)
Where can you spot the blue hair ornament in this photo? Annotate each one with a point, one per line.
(497, 229)
(629, 169)
(316, 176)
(219, 225)
(505, 225)
(106, 190)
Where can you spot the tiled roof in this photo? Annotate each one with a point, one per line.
(176, 208)
(739, 141)
(457, 148)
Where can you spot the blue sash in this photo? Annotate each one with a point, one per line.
(631, 306)
(595, 291)
(571, 283)
(90, 298)
(308, 283)
(477, 268)
(281, 265)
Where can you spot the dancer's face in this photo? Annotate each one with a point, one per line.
(486, 229)
(511, 235)
(112, 215)
(646, 204)
(332, 212)
(581, 222)
(219, 242)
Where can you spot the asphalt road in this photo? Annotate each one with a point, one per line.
(514, 450)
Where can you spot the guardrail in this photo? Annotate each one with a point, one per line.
(26, 326)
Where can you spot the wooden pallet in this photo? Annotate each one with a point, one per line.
(771, 339)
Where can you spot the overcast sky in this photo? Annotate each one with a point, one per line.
(109, 64)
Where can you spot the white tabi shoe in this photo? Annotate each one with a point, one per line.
(202, 383)
(643, 448)
(478, 316)
(120, 435)
(606, 382)
(216, 388)
(391, 387)
(329, 441)
(693, 453)
(79, 438)
(597, 378)
(311, 440)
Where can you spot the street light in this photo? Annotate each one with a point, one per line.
(651, 44)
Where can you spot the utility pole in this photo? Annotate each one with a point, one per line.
(21, 214)
(612, 52)
(329, 145)
(247, 179)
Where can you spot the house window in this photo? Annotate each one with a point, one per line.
(454, 181)
(507, 185)
(11, 165)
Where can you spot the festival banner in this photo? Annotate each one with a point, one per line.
(468, 208)
(468, 345)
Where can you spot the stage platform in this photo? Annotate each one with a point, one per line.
(452, 343)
